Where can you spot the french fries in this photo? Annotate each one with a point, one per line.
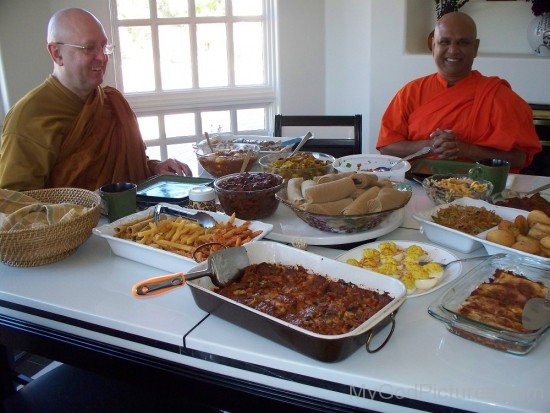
(183, 236)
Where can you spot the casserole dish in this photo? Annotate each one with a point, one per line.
(453, 238)
(322, 347)
(166, 260)
(447, 307)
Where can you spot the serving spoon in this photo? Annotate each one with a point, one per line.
(245, 161)
(423, 151)
(534, 191)
(209, 142)
(445, 265)
(306, 137)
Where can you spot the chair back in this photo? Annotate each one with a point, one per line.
(336, 135)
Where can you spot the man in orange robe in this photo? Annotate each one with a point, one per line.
(457, 111)
(70, 131)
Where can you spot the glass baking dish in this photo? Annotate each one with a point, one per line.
(446, 307)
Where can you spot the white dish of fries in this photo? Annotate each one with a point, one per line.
(140, 231)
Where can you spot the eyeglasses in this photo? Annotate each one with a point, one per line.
(108, 49)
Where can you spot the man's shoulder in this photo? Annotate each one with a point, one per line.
(42, 106)
(33, 97)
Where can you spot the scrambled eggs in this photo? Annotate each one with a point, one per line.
(404, 264)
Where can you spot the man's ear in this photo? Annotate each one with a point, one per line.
(477, 47)
(55, 53)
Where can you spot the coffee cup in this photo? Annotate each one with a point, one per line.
(119, 199)
(493, 170)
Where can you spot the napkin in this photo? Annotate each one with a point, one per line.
(20, 211)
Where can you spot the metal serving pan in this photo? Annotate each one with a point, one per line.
(319, 346)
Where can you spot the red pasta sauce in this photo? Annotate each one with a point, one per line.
(305, 299)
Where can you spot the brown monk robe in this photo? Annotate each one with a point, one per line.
(104, 145)
(43, 129)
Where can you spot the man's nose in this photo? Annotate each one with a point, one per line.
(453, 48)
(101, 56)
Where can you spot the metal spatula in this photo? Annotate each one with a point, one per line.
(223, 267)
(536, 313)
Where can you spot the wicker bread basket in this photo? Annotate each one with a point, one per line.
(33, 247)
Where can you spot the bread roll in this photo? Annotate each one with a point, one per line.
(545, 242)
(542, 227)
(527, 246)
(294, 191)
(502, 237)
(522, 225)
(364, 180)
(384, 184)
(359, 205)
(307, 184)
(537, 216)
(506, 225)
(537, 233)
(373, 205)
(327, 208)
(331, 177)
(329, 191)
(391, 198)
(358, 192)
(526, 238)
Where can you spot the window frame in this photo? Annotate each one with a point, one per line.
(196, 100)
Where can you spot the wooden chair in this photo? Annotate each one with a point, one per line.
(336, 135)
(541, 161)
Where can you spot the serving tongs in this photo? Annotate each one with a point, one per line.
(205, 220)
(223, 267)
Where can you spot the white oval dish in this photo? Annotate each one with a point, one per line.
(435, 253)
(165, 260)
(365, 163)
(287, 227)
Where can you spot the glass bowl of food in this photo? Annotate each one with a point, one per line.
(445, 188)
(249, 195)
(301, 165)
(267, 144)
(351, 223)
(224, 160)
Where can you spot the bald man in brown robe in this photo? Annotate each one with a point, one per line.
(70, 131)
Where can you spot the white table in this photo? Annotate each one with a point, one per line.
(86, 300)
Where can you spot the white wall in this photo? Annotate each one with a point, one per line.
(301, 48)
(23, 25)
(347, 57)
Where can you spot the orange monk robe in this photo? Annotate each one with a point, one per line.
(480, 110)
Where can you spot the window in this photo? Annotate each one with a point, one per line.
(194, 66)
